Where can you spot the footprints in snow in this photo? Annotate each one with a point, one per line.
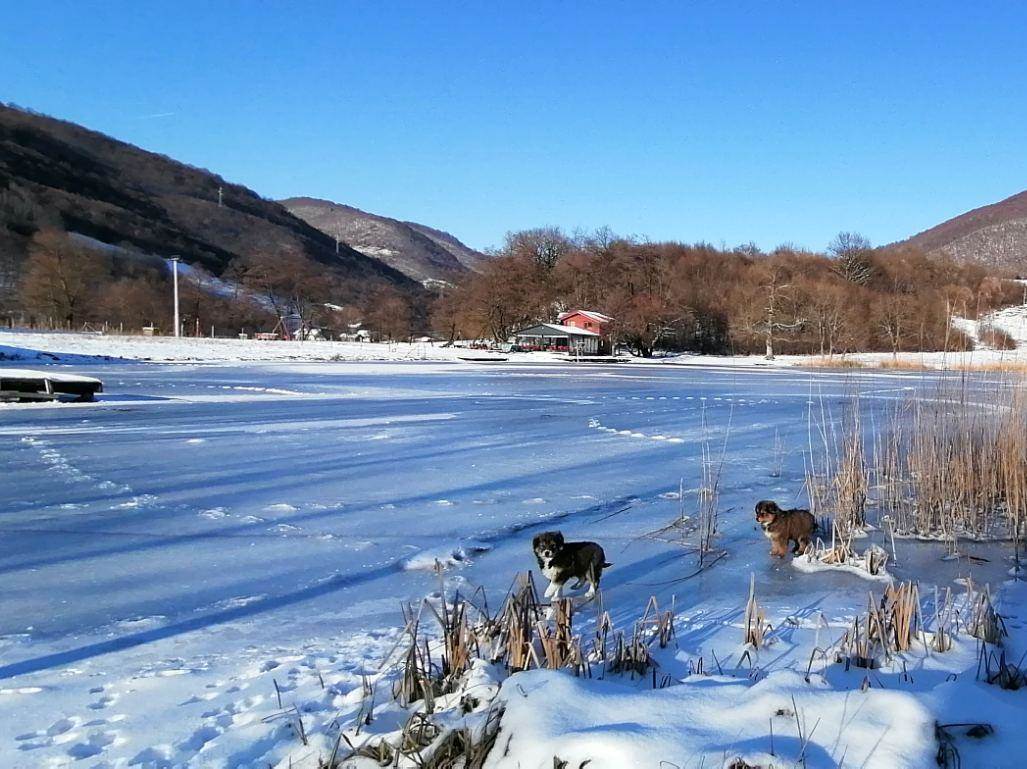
(234, 719)
(277, 518)
(595, 424)
(77, 737)
(60, 465)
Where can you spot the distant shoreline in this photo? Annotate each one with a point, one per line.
(71, 348)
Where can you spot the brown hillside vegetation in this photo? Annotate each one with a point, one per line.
(417, 251)
(58, 175)
(699, 298)
(69, 282)
(994, 235)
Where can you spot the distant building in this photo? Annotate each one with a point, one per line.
(355, 332)
(558, 338)
(590, 320)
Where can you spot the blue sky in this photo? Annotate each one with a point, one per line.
(717, 121)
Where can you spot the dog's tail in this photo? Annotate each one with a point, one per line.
(607, 565)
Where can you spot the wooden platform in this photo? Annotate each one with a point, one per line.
(597, 359)
(26, 386)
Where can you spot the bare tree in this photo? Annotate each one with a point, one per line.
(775, 296)
(545, 246)
(10, 271)
(893, 319)
(62, 278)
(851, 252)
(389, 315)
(290, 284)
(826, 306)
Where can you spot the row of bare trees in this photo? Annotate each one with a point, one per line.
(69, 282)
(697, 297)
(661, 295)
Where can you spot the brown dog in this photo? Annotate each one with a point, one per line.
(784, 526)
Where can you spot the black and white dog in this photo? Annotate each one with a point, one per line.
(561, 562)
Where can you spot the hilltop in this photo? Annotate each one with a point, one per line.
(54, 173)
(420, 252)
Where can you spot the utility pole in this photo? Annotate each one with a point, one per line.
(174, 277)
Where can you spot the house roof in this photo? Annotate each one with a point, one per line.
(554, 329)
(598, 317)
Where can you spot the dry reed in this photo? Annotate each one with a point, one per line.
(944, 465)
(888, 627)
(754, 626)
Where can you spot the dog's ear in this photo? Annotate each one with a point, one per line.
(558, 538)
(535, 541)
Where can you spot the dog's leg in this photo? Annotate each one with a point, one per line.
(577, 585)
(554, 596)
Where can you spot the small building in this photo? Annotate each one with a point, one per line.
(590, 320)
(559, 338)
(355, 333)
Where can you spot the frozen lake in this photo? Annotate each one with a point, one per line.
(203, 529)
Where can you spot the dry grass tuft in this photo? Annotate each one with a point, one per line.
(983, 622)
(888, 627)
(944, 624)
(560, 648)
(755, 626)
(837, 361)
(900, 607)
(995, 337)
(1015, 366)
(904, 364)
(994, 668)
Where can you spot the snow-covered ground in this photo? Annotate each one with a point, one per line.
(208, 539)
(1011, 320)
(83, 348)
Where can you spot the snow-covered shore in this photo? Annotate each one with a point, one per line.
(84, 348)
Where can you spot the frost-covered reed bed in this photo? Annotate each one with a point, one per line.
(940, 465)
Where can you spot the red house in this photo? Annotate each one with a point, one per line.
(590, 320)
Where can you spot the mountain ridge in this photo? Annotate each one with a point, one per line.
(58, 173)
(992, 235)
(419, 251)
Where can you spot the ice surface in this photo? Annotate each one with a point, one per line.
(205, 539)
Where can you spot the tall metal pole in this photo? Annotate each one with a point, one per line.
(174, 278)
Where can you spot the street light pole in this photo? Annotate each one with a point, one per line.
(174, 277)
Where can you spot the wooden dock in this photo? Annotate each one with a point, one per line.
(27, 386)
